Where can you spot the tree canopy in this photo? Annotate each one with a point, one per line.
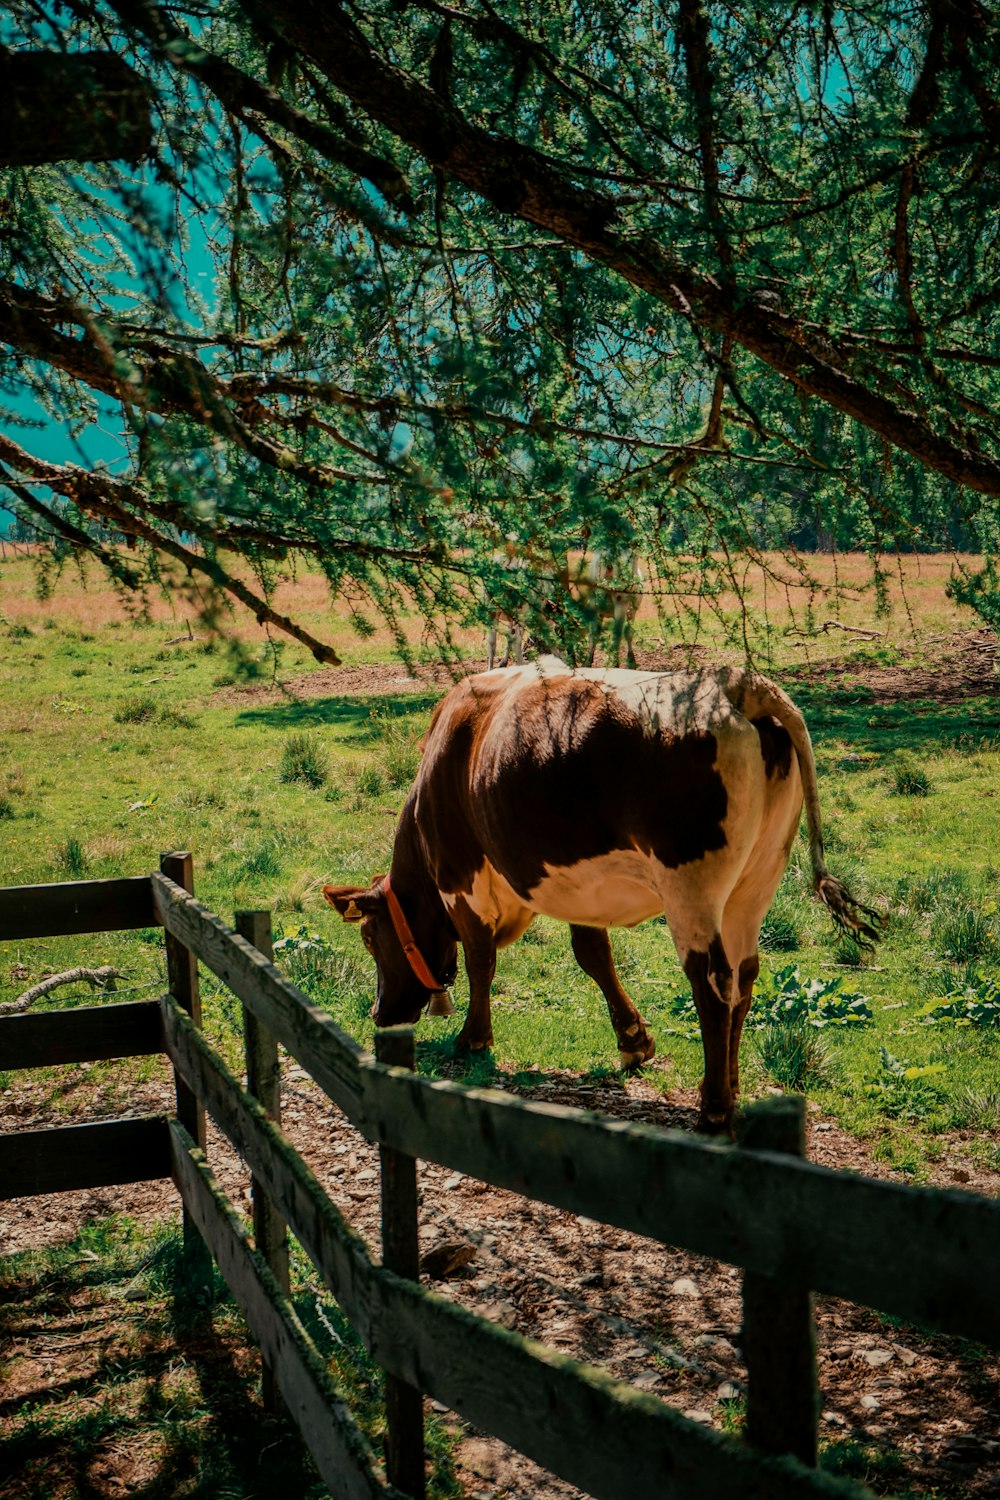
(410, 287)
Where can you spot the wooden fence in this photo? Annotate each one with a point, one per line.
(924, 1255)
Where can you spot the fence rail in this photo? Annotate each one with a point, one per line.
(922, 1254)
(773, 1214)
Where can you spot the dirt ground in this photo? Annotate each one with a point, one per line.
(667, 1321)
(927, 1408)
(948, 668)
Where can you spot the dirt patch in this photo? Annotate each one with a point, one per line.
(945, 669)
(948, 669)
(927, 1408)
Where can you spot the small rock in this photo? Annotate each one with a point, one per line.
(368, 1175)
(871, 1403)
(443, 1259)
(823, 1125)
(647, 1380)
(439, 1406)
(596, 1278)
(877, 1357)
(727, 1391)
(685, 1287)
(505, 1313)
(697, 1415)
(970, 1448)
(905, 1356)
(834, 1418)
(453, 1181)
(136, 1294)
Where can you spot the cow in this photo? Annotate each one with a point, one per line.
(508, 622)
(610, 589)
(601, 797)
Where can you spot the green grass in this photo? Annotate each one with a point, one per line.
(89, 794)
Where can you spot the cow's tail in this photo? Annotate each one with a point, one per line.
(754, 695)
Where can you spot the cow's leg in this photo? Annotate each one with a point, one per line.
(480, 950)
(592, 951)
(711, 977)
(745, 978)
(747, 906)
(629, 650)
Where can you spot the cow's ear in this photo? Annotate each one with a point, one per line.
(354, 902)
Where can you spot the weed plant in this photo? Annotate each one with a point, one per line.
(72, 859)
(136, 708)
(794, 1054)
(964, 932)
(399, 746)
(782, 929)
(303, 759)
(908, 779)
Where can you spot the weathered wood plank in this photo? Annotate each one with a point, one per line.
(340, 1449)
(83, 1156)
(404, 1405)
(919, 1253)
(779, 1331)
(303, 1029)
(182, 979)
(594, 1431)
(87, 1033)
(809, 1226)
(34, 911)
(264, 1083)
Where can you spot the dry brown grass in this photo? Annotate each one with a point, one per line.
(778, 594)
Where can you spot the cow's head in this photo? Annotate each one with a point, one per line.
(401, 995)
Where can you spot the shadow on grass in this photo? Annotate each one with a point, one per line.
(170, 1404)
(917, 724)
(354, 714)
(601, 1089)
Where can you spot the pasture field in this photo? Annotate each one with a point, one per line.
(125, 732)
(121, 736)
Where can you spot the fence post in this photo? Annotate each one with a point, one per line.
(264, 1083)
(779, 1331)
(404, 1405)
(182, 982)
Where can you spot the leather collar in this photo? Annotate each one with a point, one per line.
(408, 942)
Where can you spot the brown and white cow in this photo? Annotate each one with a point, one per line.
(603, 798)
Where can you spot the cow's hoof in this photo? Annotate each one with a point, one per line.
(634, 1057)
(465, 1043)
(711, 1123)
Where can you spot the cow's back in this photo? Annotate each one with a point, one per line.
(540, 769)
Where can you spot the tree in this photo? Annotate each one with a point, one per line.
(482, 277)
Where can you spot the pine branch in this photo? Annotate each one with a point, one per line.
(113, 502)
(518, 181)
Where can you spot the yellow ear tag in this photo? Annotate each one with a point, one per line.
(353, 912)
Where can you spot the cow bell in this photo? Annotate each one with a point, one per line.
(440, 1003)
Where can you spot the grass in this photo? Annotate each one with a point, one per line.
(92, 790)
(156, 1389)
(96, 794)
